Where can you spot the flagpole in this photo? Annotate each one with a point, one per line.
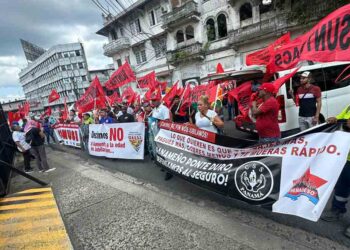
(216, 95)
(178, 107)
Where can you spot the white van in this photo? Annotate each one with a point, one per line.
(335, 95)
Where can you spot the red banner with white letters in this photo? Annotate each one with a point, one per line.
(120, 77)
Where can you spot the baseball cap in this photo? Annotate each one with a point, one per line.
(268, 87)
(305, 74)
(14, 123)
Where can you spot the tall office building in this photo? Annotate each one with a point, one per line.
(62, 67)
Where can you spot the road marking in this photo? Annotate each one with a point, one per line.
(31, 220)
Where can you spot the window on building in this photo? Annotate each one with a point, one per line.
(81, 65)
(140, 54)
(77, 52)
(114, 35)
(72, 54)
(127, 58)
(65, 55)
(59, 55)
(264, 8)
(69, 67)
(135, 26)
(119, 62)
(222, 26)
(245, 12)
(211, 30)
(189, 32)
(63, 68)
(83, 78)
(159, 46)
(155, 16)
(75, 66)
(180, 36)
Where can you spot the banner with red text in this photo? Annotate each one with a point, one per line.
(119, 140)
(69, 134)
(296, 175)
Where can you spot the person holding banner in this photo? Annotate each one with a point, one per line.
(206, 118)
(342, 188)
(310, 103)
(125, 117)
(160, 111)
(266, 114)
(104, 118)
(73, 118)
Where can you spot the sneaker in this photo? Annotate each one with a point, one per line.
(28, 171)
(49, 170)
(347, 232)
(332, 215)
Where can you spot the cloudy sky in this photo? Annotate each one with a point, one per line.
(46, 23)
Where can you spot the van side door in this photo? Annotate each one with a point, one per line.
(337, 88)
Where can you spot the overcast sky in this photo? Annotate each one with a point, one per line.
(47, 23)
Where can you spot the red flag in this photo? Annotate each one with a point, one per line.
(65, 111)
(48, 111)
(328, 41)
(94, 97)
(120, 77)
(215, 93)
(10, 117)
(168, 98)
(147, 81)
(198, 91)
(114, 98)
(262, 57)
(280, 81)
(128, 95)
(185, 98)
(26, 108)
(162, 85)
(54, 96)
(242, 96)
(219, 68)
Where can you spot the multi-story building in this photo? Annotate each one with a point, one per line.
(102, 74)
(12, 105)
(62, 67)
(185, 39)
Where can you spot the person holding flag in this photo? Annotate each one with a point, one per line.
(266, 114)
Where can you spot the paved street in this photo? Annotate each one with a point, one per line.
(120, 204)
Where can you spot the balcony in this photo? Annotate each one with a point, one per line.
(115, 46)
(271, 26)
(181, 15)
(188, 53)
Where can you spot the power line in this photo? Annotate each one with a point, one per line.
(113, 8)
(103, 11)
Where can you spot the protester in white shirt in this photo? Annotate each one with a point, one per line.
(160, 111)
(73, 118)
(207, 119)
(19, 138)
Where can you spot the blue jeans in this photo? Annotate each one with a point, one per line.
(342, 189)
(230, 111)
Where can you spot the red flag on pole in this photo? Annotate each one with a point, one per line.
(128, 95)
(147, 81)
(54, 96)
(280, 81)
(94, 97)
(175, 90)
(48, 111)
(120, 77)
(219, 68)
(242, 96)
(114, 98)
(65, 111)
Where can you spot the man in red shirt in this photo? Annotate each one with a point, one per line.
(267, 114)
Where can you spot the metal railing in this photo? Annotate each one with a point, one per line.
(188, 9)
(115, 46)
(189, 52)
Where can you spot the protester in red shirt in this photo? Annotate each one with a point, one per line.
(267, 114)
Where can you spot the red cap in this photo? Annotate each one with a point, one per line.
(268, 87)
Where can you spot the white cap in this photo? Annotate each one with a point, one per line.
(306, 74)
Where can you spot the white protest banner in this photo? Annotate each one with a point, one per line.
(69, 134)
(296, 175)
(118, 140)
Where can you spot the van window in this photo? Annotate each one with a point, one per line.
(332, 73)
(317, 79)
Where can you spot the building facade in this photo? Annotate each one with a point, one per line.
(185, 39)
(62, 67)
(12, 105)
